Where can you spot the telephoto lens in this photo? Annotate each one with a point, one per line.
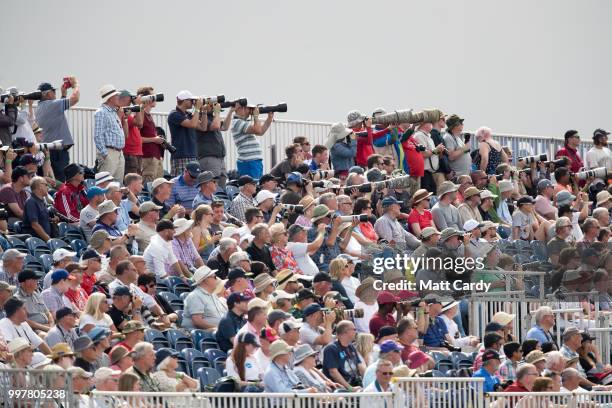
(211, 100)
(242, 102)
(534, 159)
(31, 96)
(159, 97)
(281, 108)
(133, 108)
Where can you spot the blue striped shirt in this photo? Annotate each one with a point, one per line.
(182, 193)
(247, 145)
(107, 130)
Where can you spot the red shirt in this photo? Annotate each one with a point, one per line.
(424, 220)
(70, 200)
(78, 297)
(148, 130)
(516, 387)
(416, 163)
(367, 230)
(377, 321)
(576, 162)
(365, 138)
(124, 344)
(133, 143)
(406, 352)
(88, 283)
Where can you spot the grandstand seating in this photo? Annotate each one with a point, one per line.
(55, 243)
(78, 245)
(195, 360)
(178, 340)
(204, 340)
(156, 338)
(172, 299)
(207, 376)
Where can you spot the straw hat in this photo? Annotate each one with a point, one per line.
(279, 347)
(419, 196)
(365, 291)
(181, 225)
(470, 191)
(262, 281)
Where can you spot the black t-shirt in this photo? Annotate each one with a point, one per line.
(79, 362)
(228, 327)
(261, 255)
(220, 265)
(210, 143)
(117, 315)
(345, 359)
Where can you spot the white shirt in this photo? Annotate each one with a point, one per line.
(10, 332)
(304, 261)
(262, 360)
(362, 324)
(147, 299)
(86, 319)
(596, 157)
(24, 126)
(432, 163)
(453, 329)
(350, 284)
(252, 371)
(159, 254)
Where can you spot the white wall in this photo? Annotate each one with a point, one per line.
(529, 67)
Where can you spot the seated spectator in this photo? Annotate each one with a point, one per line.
(429, 239)
(242, 364)
(571, 379)
(507, 370)
(185, 188)
(203, 309)
(444, 213)
(468, 210)
(144, 363)
(161, 191)
(294, 156)
(340, 272)
(420, 361)
(389, 351)
(125, 207)
(125, 307)
(233, 321)
(14, 194)
(245, 198)
(22, 353)
(201, 235)
(133, 332)
(264, 286)
(39, 317)
(61, 259)
(525, 377)
(185, 251)
(282, 257)
(387, 303)
(287, 281)
(62, 355)
(12, 264)
(490, 365)
(407, 335)
(366, 300)
(491, 341)
(305, 218)
(206, 183)
(36, 219)
(100, 337)
(383, 373)
(91, 262)
(420, 217)
(166, 361)
(14, 325)
(303, 299)
(316, 329)
(95, 314)
(341, 362)
(306, 371)
(388, 227)
(538, 359)
(120, 358)
(544, 322)
(259, 249)
(71, 197)
(159, 255)
(75, 293)
(55, 296)
(86, 353)
(64, 330)
(149, 216)
(453, 336)
(279, 377)
(220, 262)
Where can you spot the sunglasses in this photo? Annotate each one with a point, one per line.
(387, 372)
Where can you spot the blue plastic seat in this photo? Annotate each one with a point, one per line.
(213, 355)
(195, 360)
(47, 261)
(35, 244)
(173, 300)
(4, 243)
(33, 263)
(18, 244)
(78, 245)
(178, 339)
(207, 376)
(232, 191)
(55, 243)
(17, 227)
(204, 340)
(156, 338)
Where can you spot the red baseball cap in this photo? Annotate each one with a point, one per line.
(385, 298)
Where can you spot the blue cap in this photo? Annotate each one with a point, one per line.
(564, 197)
(163, 353)
(94, 191)
(98, 333)
(356, 170)
(389, 346)
(387, 201)
(59, 275)
(193, 168)
(294, 177)
(236, 297)
(311, 308)
(45, 86)
(544, 183)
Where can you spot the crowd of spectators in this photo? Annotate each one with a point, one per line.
(274, 271)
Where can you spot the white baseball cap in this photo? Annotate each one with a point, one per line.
(470, 225)
(263, 195)
(62, 253)
(103, 177)
(184, 95)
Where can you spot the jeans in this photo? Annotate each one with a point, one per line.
(59, 160)
(253, 168)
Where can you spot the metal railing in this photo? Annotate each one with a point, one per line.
(21, 388)
(241, 400)
(442, 392)
(280, 134)
(592, 399)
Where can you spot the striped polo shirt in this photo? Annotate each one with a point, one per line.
(247, 145)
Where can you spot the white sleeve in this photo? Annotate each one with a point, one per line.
(299, 249)
(33, 337)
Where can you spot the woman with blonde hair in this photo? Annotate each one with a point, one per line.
(281, 256)
(95, 314)
(341, 270)
(203, 240)
(365, 346)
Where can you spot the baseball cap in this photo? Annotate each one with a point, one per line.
(294, 177)
(389, 346)
(104, 373)
(193, 168)
(27, 159)
(148, 206)
(385, 298)
(311, 309)
(45, 86)
(63, 312)
(386, 331)
(263, 195)
(288, 325)
(244, 180)
(89, 254)
(79, 372)
(236, 297)
(321, 277)
(247, 338)
(59, 275)
(164, 353)
(276, 315)
(159, 181)
(267, 177)
(184, 95)
(387, 201)
(122, 291)
(470, 225)
(524, 200)
(304, 294)
(95, 191)
(62, 253)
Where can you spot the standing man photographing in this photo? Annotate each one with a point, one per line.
(110, 132)
(183, 125)
(250, 153)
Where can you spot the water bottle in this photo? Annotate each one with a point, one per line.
(135, 247)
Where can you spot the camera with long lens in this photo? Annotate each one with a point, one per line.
(30, 96)
(407, 116)
(167, 145)
(159, 97)
(600, 172)
(344, 314)
(394, 183)
(211, 100)
(54, 145)
(131, 109)
(351, 218)
(280, 108)
(534, 159)
(295, 208)
(420, 148)
(317, 175)
(562, 162)
(241, 101)
(8, 93)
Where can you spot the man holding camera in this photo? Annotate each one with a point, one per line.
(182, 126)
(459, 158)
(8, 117)
(152, 149)
(50, 116)
(211, 147)
(132, 151)
(110, 132)
(250, 154)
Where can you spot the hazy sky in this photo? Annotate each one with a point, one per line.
(524, 67)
